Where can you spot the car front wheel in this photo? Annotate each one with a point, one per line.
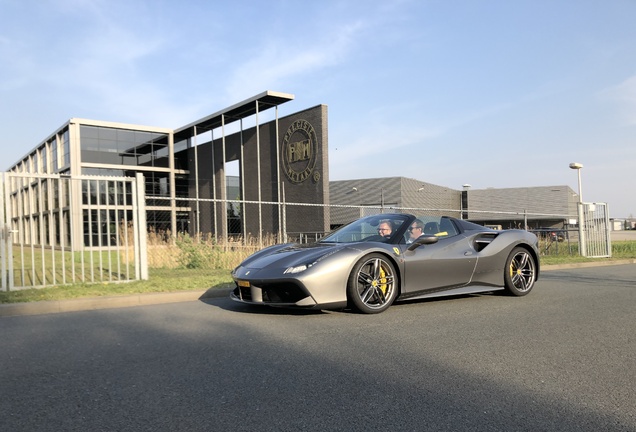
(520, 272)
(372, 285)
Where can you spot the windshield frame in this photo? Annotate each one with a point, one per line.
(365, 229)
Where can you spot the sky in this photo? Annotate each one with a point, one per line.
(491, 93)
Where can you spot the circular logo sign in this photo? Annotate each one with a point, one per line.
(299, 151)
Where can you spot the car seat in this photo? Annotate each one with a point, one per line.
(447, 228)
(431, 228)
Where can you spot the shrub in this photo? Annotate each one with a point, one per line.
(194, 254)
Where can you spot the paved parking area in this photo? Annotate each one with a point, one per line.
(623, 235)
(561, 358)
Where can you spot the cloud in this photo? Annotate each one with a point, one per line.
(376, 152)
(279, 61)
(17, 64)
(625, 95)
(116, 70)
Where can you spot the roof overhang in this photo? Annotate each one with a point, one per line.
(248, 107)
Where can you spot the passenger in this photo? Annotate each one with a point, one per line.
(415, 230)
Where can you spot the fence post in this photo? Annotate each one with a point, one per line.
(6, 247)
(142, 229)
(284, 216)
(3, 270)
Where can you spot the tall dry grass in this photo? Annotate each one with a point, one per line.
(201, 251)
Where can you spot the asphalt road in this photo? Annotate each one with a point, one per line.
(561, 359)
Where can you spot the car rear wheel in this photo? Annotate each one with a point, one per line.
(372, 285)
(520, 272)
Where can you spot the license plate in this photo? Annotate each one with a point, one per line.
(243, 283)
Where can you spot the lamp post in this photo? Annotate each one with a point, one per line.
(582, 246)
(463, 205)
(382, 200)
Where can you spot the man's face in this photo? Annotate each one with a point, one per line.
(415, 231)
(384, 229)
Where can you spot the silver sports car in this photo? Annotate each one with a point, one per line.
(374, 261)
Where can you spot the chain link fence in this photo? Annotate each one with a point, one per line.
(230, 241)
(81, 229)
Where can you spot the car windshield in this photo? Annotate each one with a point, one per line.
(381, 228)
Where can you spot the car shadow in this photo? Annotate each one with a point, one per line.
(227, 304)
(233, 306)
(439, 299)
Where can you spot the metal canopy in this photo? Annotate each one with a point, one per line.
(238, 111)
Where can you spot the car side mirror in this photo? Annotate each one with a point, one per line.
(423, 240)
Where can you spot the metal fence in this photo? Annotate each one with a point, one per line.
(58, 230)
(595, 230)
(206, 249)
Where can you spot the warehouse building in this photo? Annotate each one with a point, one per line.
(532, 207)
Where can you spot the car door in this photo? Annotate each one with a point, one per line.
(448, 263)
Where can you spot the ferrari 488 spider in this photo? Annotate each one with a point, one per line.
(374, 261)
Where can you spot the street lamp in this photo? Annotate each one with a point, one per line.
(382, 200)
(577, 166)
(463, 205)
(582, 246)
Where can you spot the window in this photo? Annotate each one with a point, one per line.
(54, 155)
(66, 149)
(121, 146)
(45, 162)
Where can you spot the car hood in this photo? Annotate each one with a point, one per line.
(291, 255)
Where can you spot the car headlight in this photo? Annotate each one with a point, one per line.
(297, 269)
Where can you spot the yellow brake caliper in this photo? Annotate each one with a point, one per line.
(382, 280)
(513, 271)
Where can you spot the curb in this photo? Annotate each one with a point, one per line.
(110, 302)
(587, 264)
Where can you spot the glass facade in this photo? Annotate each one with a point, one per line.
(233, 187)
(42, 208)
(54, 156)
(66, 149)
(50, 185)
(106, 227)
(40, 211)
(99, 192)
(45, 159)
(113, 146)
(130, 149)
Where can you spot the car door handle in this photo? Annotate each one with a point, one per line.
(468, 253)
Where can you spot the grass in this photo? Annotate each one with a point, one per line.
(38, 268)
(570, 254)
(169, 279)
(160, 280)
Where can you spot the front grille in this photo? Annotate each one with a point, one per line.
(244, 293)
(283, 293)
(273, 293)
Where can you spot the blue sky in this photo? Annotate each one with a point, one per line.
(493, 93)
